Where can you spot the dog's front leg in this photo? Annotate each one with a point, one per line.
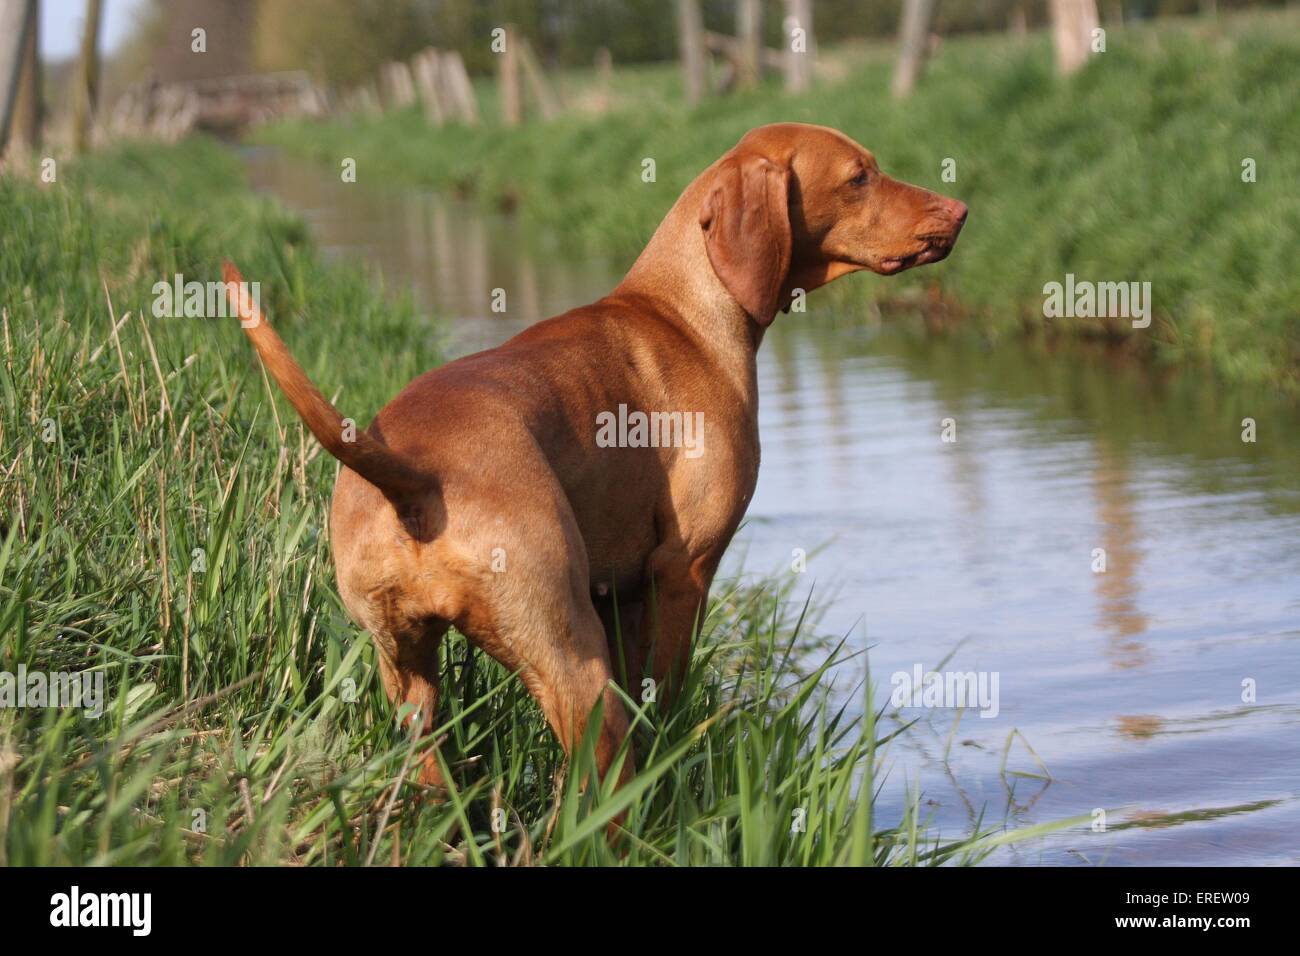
(676, 597)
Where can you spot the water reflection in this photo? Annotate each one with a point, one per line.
(1118, 584)
(1139, 726)
(449, 254)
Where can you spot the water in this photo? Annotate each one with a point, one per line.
(1132, 686)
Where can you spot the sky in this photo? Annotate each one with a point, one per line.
(61, 23)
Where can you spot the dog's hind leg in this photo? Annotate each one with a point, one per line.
(408, 664)
(536, 617)
(622, 622)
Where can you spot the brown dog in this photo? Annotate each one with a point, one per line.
(493, 493)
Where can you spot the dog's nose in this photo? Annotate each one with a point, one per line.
(957, 209)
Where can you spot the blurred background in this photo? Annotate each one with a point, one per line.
(344, 43)
(449, 148)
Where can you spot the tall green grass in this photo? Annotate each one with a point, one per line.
(171, 535)
(1129, 171)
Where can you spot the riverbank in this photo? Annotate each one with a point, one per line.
(1131, 171)
(164, 533)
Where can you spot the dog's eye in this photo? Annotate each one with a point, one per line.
(861, 179)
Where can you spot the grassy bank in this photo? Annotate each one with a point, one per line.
(1130, 171)
(163, 525)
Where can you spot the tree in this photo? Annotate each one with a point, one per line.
(694, 62)
(87, 89)
(1073, 23)
(27, 108)
(17, 38)
(749, 31)
(913, 33)
(345, 42)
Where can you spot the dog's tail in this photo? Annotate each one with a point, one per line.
(358, 450)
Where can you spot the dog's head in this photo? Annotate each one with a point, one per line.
(794, 206)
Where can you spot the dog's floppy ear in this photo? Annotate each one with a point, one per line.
(746, 223)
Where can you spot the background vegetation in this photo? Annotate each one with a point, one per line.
(345, 41)
(1130, 171)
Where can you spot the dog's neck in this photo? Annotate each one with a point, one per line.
(674, 268)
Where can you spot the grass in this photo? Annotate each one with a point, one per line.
(1129, 171)
(163, 524)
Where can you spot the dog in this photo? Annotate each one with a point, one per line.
(490, 496)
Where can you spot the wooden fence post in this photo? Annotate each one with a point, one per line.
(370, 99)
(455, 82)
(542, 92)
(690, 29)
(604, 63)
(426, 68)
(749, 31)
(508, 79)
(398, 87)
(1072, 24)
(912, 35)
(800, 47)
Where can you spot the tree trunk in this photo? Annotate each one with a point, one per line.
(1018, 20)
(17, 19)
(749, 31)
(1072, 24)
(87, 90)
(800, 50)
(690, 29)
(27, 109)
(912, 35)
